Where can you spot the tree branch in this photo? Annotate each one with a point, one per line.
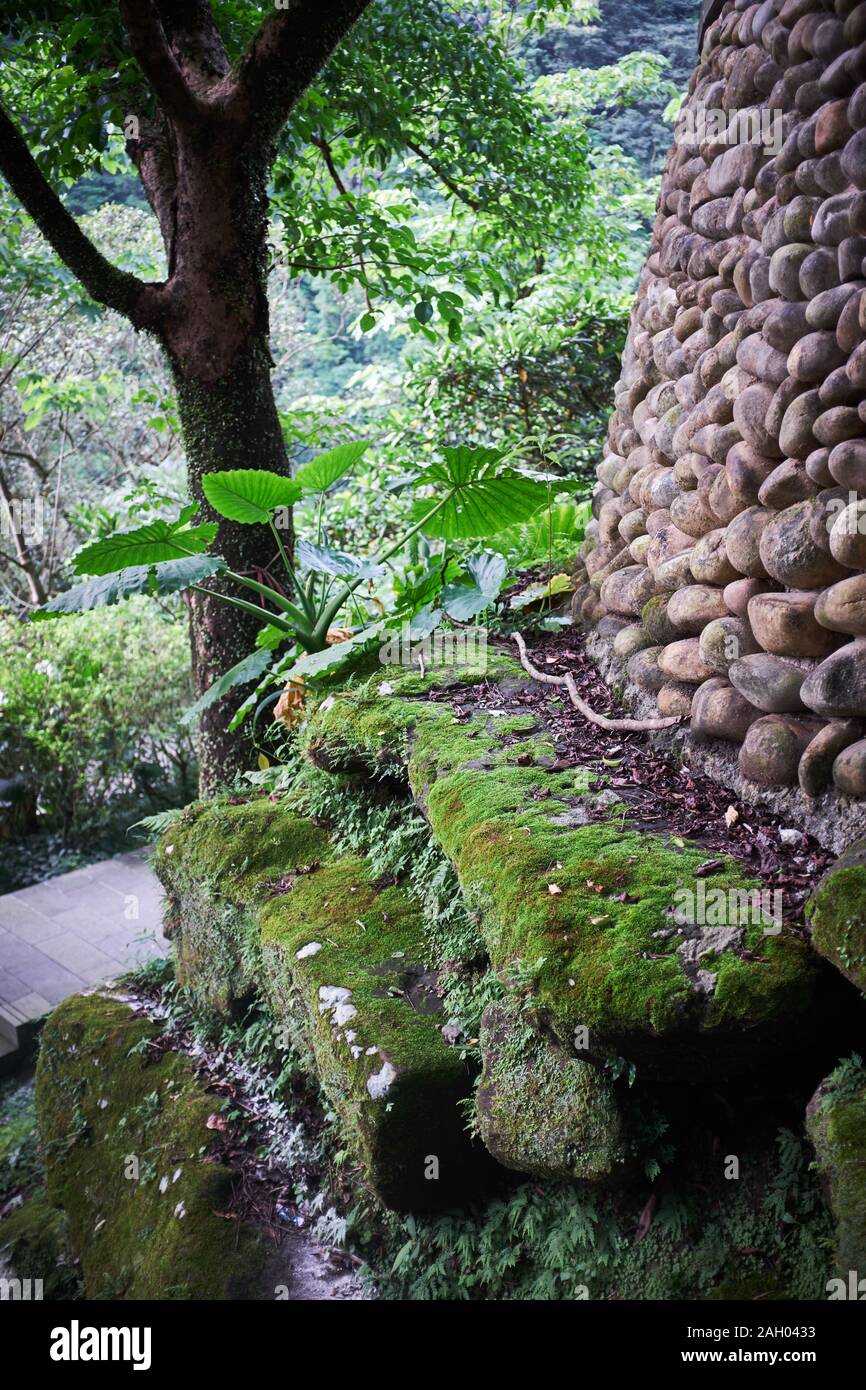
(24, 561)
(196, 42)
(443, 177)
(151, 151)
(286, 56)
(149, 44)
(104, 282)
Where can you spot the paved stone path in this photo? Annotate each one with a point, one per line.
(75, 930)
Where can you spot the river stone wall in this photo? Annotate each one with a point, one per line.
(725, 559)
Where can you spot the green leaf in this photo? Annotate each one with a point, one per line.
(327, 561)
(172, 576)
(249, 669)
(96, 593)
(532, 541)
(324, 470)
(313, 664)
(462, 602)
(169, 577)
(270, 637)
(249, 495)
(485, 497)
(146, 545)
(537, 593)
(156, 825)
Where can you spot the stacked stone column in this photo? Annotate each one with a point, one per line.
(726, 559)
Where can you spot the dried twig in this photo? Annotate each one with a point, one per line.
(639, 725)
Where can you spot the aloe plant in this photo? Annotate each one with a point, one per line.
(477, 492)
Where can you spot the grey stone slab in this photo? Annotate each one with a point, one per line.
(11, 988)
(82, 895)
(22, 956)
(76, 955)
(81, 920)
(79, 929)
(24, 922)
(33, 1005)
(53, 981)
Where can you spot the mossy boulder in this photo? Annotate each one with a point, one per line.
(260, 904)
(585, 905)
(346, 956)
(216, 863)
(836, 1124)
(129, 1160)
(837, 912)
(544, 1111)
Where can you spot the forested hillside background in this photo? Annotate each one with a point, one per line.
(90, 437)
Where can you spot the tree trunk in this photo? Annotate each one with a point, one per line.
(215, 332)
(231, 423)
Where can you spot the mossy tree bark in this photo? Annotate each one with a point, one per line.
(204, 140)
(228, 423)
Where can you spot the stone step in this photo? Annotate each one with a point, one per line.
(10, 1057)
(17, 1028)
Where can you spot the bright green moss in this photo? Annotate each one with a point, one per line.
(838, 917)
(349, 953)
(35, 1239)
(253, 884)
(238, 846)
(125, 1136)
(498, 669)
(599, 951)
(215, 864)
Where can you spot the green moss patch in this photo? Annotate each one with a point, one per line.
(260, 904)
(35, 1239)
(585, 910)
(542, 1111)
(837, 912)
(350, 955)
(128, 1160)
(216, 864)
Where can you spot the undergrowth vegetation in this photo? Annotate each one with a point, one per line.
(685, 1236)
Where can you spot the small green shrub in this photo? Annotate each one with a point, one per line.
(90, 716)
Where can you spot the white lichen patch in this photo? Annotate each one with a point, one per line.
(380, 1083)
(703, 942)
(337, 1000)
(305, 952)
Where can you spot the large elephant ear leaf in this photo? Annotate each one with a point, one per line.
(173, 576)
(483, 507)
(249, 495)
(326, 560)
(483, 496)
(333, 658)
(146, 545)
(101, 592)
(464, 601)
(105, 590)
(325, 469)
